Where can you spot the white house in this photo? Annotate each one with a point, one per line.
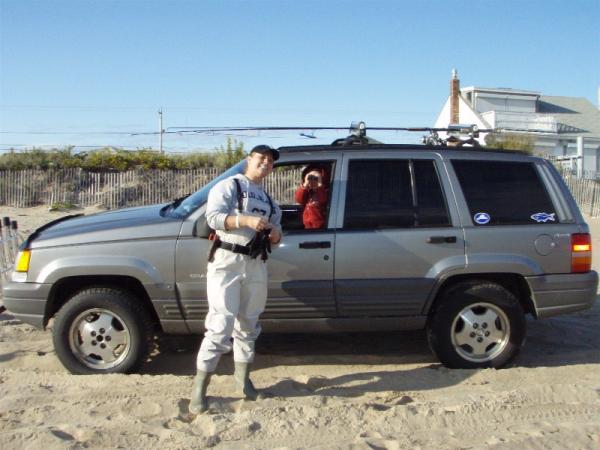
(566, 128)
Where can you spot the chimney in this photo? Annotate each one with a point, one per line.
(598, 97)
(454, 93)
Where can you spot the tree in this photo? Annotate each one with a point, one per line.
(231, 154)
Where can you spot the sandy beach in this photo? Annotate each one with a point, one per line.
(350, 391)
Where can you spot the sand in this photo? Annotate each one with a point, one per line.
(350, 391)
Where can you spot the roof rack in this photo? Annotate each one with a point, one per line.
(457, 135)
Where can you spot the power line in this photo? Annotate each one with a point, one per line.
(48, 147)
(118, 133)
(412, 112)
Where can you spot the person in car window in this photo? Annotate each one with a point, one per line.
(313, 195)
(247, 222)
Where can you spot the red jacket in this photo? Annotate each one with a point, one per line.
(314, 202)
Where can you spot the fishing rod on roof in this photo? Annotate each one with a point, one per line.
(457, 135)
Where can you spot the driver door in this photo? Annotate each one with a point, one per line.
(301, 267)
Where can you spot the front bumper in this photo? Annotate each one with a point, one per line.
(561, 294)
(26, 301)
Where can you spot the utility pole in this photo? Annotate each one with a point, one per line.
(160, 130)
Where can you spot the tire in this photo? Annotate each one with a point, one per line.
(477, 324)
(102, 330)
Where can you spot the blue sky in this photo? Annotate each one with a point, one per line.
(71, 72)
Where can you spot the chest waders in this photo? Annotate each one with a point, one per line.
(260, 243)
(233, 312)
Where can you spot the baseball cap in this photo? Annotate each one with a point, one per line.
(262, 149)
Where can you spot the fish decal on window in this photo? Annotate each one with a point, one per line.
(543, 217)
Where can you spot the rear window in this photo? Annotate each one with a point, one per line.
(504, 193)
(394, 193)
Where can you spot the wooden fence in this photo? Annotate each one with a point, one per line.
(23, 188)
(586, 193)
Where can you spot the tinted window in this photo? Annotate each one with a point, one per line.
(508, 193)
(380, 195)
(431, 206)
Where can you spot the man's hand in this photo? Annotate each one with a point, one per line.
(313, 180)
(275, 236)
(256, 223)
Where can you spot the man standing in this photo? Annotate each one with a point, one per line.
(241, 212)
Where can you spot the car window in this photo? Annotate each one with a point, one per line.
(380, 194)
(504, 193)
(432, 210)
(303, 191)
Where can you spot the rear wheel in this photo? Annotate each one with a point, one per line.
(477, 324)
(102, 330)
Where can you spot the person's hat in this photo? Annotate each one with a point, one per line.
(262, 149)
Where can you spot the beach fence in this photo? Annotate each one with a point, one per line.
(586, 193)
(79, 187)
(65, 188)
(10, 239)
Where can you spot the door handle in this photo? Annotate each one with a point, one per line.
(315, 244)
(441, 240)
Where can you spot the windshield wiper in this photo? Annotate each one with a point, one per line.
(174, 204)
(178, 201)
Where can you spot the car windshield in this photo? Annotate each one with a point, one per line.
(182, 209)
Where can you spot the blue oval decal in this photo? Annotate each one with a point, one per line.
(481, 218)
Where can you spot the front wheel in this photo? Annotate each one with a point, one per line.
(477, 324)
(102, 330)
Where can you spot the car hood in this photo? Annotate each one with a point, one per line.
(123, 224)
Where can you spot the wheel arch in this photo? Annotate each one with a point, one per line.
(513, 282)
(67, 287)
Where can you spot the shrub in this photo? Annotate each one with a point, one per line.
(510, 141)
(114, 159)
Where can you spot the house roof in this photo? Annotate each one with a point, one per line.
(505, 91)
(576, 115)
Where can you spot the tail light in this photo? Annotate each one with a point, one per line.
(581, 252)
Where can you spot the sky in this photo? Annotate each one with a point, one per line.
(95, 73)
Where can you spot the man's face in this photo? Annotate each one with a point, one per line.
(260, 164)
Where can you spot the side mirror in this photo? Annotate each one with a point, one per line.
(202, 230)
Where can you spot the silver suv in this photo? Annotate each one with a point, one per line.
(461, 242)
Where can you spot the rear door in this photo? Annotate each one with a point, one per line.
(397, 233)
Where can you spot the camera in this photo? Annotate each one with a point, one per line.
(313, 178)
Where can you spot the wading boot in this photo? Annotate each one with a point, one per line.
(198, 401)
(243, 383)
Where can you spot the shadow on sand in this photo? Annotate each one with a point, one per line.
(559, 341)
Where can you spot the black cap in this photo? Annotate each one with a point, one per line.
(262, 149)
